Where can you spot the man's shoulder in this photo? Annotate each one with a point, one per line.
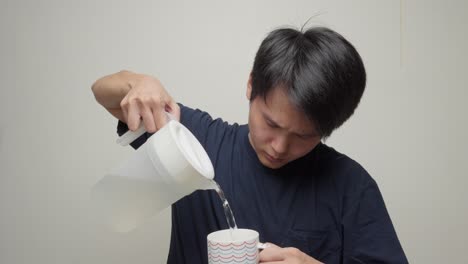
(341, 167)
(328, 155)
(197, 118)
(211, 132)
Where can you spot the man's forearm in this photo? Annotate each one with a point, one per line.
(111, 89)
(133, 98)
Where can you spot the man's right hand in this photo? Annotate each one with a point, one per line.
(133, 98)
(147, 100)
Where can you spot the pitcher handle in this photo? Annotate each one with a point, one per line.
(130, 136)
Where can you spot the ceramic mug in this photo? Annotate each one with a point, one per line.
(242, 246)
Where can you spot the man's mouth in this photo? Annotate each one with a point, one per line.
(273, 159)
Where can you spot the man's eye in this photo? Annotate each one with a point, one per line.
(270, 124)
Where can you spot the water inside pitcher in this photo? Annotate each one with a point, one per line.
(168, 166)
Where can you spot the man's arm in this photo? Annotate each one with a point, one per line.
(132, 97)
(111, 89)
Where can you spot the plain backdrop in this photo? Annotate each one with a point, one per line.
(409, 131)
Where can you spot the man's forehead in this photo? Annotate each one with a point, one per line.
(282, 111)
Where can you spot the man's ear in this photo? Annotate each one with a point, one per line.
(249, 87)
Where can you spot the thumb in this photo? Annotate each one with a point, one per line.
(271, 253)
(266, 245)
(173, 108)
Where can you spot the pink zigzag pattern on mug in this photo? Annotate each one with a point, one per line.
(252, 243)
(241, 247)
(254, 261)
(244, 252)
(233, 259)
(245, 256)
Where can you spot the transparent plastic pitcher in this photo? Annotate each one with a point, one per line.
(168, 166)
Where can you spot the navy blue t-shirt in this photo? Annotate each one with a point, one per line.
(324, 204)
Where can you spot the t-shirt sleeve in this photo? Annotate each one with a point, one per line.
(369, 235)
(209, 132)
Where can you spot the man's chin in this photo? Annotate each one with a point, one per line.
(271, 164)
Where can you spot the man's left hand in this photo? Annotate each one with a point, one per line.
(273, 254)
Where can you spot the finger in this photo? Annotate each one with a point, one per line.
(174, 109)
(148, 119)
(133, 116)
(266, 245)
(269, 244)
(160, 118)
(272, 253)
(124, 107)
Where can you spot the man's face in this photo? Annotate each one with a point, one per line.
(279, 132)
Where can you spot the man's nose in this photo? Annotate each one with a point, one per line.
(280, 145)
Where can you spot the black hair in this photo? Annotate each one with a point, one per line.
(322, 73)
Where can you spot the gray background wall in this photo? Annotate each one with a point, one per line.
(56, 142)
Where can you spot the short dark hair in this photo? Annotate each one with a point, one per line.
(322, 73)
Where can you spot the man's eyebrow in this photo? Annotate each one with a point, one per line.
(306, 135)
(268, 119)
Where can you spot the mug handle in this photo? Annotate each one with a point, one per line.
(262, 246)
(131, 136)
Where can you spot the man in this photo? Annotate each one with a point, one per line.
(311, 203)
